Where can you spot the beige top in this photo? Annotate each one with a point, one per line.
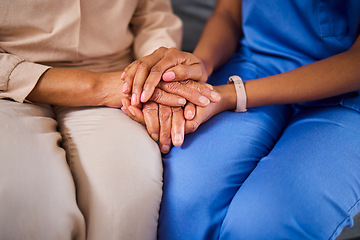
(101, 36)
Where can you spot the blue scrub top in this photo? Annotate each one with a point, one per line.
(281, 35)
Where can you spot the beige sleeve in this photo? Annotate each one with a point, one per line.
(155, 25)
(18, 77)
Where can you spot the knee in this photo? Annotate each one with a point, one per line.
(23, 219)
(276, 218)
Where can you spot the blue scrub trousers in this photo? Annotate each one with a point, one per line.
(274, 172)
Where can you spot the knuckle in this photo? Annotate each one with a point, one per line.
(161, 49)
(130, 75)
(156, 69)
(172, 50)
(182, 72)
(193, 126)
(150, 108)
(143, 65)
(189, 86)
(173, 54)
(176, 110)
(165, 137)
(165, 114)
(158, 95)
(196, 86)
(172, 87)
(136, 62)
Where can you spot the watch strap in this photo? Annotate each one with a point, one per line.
(240, 93)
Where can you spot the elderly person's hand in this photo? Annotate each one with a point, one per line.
(170, 124)
(164, 124)
(176, 94)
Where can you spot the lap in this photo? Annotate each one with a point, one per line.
(113, 163)
(116, 165)
(307, 187)
(211, 165)
(233, 166)
(36, 186)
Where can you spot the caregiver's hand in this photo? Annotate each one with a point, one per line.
(196, 115)
(142, 76)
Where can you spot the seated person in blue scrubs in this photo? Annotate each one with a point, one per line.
(286, 163)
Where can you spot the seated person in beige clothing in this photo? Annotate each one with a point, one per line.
(72, 164)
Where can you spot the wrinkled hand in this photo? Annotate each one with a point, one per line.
(176, 94)
(143, 76)
(164, 124)
(170, 124)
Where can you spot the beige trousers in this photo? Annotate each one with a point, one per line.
(76, 173)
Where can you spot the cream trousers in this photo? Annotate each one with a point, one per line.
(76, 173)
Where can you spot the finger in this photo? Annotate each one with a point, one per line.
(191, 126)
(177, 126)
(188, 92)
(165, 128)
(133, 112)
(141, 74)
(125, 102)
(167, 99)
(171, 58)
(151, 117)
(189, 111)
(143, 70)
(204, 89)
(128, 77)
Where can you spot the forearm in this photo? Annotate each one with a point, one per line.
(333, 76)
(221, 34)
(68, 87)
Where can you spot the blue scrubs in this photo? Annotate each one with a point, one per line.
(274, 172)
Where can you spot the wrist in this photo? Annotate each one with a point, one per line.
(107, 89)
(207, 65)
(98, 89)
(228, 97)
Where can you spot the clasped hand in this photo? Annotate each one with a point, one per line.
(169, 94)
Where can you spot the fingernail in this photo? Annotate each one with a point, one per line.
(168, 76)
(178, 139)
(182, 101)
(204, 100)
(125, 87)
(143, 96)
(189, 114)
(133, 99)
(165, 148)
(154, 136)
(122, 75)
(123, 103)
(215, 96)
(131, 111)
(123, 109)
